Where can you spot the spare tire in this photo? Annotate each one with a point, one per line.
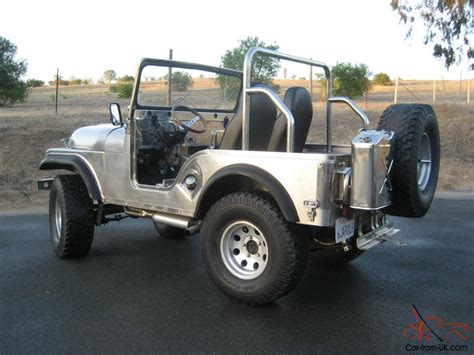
(416, 154)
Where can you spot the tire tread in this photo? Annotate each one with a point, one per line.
(78, 217)
(297, 249)
(406, 120)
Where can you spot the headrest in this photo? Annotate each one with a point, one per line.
(298, 100)
(261, 104)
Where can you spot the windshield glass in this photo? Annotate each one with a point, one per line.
(202, 90)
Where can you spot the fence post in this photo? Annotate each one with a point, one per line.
(169, 80)
(460, 86)
(396, 90)
(434, 90)
(57, 89)
(468, 90)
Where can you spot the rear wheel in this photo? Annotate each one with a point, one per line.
(71, 217)
(416, 157)
(250, 251)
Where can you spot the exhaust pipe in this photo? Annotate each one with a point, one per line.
(189, 232)
(171, 220)
(187, 223)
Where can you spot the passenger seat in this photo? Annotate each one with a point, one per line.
(298, 100)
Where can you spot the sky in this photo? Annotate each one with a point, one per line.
(85, 38)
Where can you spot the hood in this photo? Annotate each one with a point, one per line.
(90, 137)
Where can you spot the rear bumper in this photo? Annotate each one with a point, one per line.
(376, 236)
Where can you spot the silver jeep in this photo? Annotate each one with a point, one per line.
(233, 165)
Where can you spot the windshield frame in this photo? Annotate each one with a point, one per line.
(135, 105)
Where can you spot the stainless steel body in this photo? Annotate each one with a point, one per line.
(304, 176)
(318, 184)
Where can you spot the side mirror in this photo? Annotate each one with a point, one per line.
(115, 114)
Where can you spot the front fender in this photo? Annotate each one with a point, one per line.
(78, 165)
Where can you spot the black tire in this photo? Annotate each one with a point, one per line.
(73, 231)
(413, 125)
(287, 253)
(169, 232)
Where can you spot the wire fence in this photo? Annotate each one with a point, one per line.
(400, 91)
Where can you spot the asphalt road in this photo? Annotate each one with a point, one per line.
(137, 292)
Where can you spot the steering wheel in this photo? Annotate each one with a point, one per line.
(188, 125)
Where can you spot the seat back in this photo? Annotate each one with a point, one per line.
(262, 118)
(298, 100)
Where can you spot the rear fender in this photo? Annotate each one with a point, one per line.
(260, 177)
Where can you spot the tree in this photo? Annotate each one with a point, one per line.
(12, 88)
(447, 25)
(75, 81)
(382, 79)
(125, 90)
(264, 68)
(126, 79)
(350, 80)
(34, 83)
(109, 75)
(180, 81)
(61, 81)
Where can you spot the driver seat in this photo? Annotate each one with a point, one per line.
(262, 118)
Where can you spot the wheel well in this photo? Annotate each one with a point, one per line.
(75, 165)
(262, 184)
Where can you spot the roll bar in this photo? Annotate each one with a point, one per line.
(248, 90)
(354, 107)
(290, 131)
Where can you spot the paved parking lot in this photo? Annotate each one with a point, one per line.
(137, 292)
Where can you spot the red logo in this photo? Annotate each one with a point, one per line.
(431, 326)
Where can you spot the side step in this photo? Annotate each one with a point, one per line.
(379, 235)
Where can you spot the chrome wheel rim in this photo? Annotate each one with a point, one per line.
(244, 250)
(57, 220)
(424, 161)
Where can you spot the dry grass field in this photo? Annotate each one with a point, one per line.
(28, 129)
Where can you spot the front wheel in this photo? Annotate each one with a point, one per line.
(250, 251)
(71, 217)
